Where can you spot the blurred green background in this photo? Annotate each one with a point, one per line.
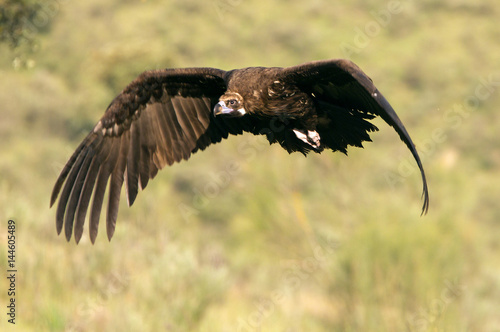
(245, 237)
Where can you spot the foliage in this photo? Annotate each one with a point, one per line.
(244, 236)
(21, 20)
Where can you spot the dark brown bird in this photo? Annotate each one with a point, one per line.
(164, 116)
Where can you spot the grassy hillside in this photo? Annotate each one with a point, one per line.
(245, 237)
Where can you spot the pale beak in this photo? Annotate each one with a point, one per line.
(221, 108)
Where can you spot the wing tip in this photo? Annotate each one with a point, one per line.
(68, 233)
(425, 195)
(110, 234)
(93, 235)
(53, 198)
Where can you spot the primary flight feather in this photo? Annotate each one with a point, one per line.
(164, 116)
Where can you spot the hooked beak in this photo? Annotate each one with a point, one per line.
(221, 108)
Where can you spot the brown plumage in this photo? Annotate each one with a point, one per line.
(164, 116)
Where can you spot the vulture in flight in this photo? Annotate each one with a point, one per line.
(164, 116)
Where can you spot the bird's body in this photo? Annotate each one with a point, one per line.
(164, 116)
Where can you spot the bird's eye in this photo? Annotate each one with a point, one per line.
(232, 102)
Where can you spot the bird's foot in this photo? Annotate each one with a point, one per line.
(310, 137)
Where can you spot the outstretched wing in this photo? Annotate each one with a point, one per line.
(160, 118)
(345, 84)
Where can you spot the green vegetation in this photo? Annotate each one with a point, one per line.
(245, 237)
(16, 21)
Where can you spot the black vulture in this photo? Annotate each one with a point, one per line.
(164, 116)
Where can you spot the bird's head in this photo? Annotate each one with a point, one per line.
(230, 104)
